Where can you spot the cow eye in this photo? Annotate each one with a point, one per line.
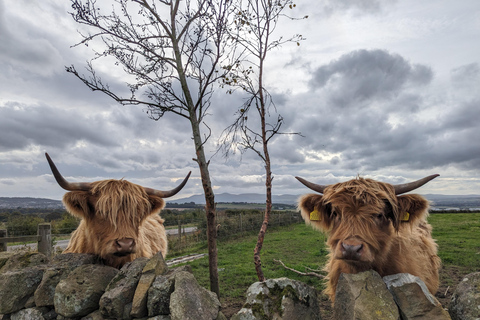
(336, 216)
(379, 216)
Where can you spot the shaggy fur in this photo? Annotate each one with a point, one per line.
(113, 210)
(367, 214)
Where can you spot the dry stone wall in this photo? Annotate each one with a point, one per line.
(78, 286)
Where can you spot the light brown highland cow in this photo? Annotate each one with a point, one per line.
(120, 219)
(369, 226)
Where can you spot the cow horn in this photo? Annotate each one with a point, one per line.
(406, 187)
(170, 193)
(315, 187)
(70, 186)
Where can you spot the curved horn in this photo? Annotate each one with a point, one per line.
(70, 186)
(170, 193)
(315, 187)
(406, 187)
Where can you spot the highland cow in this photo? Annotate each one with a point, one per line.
(369, 226)
(120, 220)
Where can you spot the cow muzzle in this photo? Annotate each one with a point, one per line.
(124, 247)
(351, 249)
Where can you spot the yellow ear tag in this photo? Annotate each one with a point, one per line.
(315, 216)
(406, 216)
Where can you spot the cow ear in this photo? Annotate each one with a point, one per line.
(314, 212)
(77, 204)
(157, 204)
(412, 208)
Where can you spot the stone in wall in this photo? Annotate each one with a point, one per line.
(189, 301)
(116, 302)
(363, 296)
(57, 270)
(413, 298)
(154, 267)
(279, 299)
(79, 293)
(18, 285)
(465, 303)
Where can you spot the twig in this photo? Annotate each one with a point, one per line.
(314, 274)
(313, 270)
(445, 294)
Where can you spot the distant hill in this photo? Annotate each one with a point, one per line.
(439, 201)
(240, 198)
(24, 202)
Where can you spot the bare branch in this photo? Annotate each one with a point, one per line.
(310, 274)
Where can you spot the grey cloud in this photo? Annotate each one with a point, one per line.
(24, 47)
(356, 6)
(371, 112)
(365, 75)
(466, 74)
(47, 126)
(463, 117)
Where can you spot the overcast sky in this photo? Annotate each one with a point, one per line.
(382, 89)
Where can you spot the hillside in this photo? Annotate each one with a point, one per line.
(24, 202)
(438, 201)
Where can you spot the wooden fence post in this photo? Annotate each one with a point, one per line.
(179, 229)
(3, 245)
(45, 239)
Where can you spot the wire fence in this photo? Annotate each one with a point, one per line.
(187, 233)
(229, 227)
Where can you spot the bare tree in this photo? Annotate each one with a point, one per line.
(171, 51)
(255, 22)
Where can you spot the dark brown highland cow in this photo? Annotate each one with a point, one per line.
(120, 220)
(369, 226)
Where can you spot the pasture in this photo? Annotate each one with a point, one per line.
(299, 246)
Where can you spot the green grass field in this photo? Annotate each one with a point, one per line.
(299, 246)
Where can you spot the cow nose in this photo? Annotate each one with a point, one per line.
(125, 245)
(352, 251)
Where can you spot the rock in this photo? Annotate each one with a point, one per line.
(79, 293)
(4, 256)
(95, 315)
(189, 301)
(116, 302)
(160, 318)
(413, 298)
(23, 260)
(158, 302)
(27, 314)
(363, 296)
(17, 287)
(154, 267)
(50, 315)
(58, 270)
(465, 303)
(281, 298)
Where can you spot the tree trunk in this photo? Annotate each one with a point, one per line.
(268, 185)
(204, 173)
(209, 209)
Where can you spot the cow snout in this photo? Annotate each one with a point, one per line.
(352, 250)
(124, 246)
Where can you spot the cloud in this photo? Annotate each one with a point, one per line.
(365, 75)
(370, 110)
(355, 6)
(466, 75)
(25, 125)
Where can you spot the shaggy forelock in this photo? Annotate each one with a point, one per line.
(120, 202)
(355, 201)
(356, 196)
